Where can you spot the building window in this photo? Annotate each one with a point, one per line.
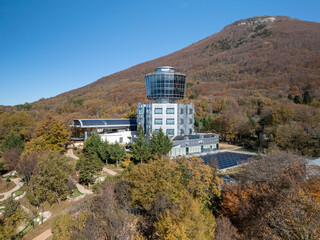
(181, 111)
(190, 111)
(170, 121)
(158, 121)
(170, 110)
(121, 140)
(156, 131)
(190, 120)
(170, 131)
(158, 111)
(181, 131)
(190, 130)
(181, 121)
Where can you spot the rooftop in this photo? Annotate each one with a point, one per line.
(104, 123)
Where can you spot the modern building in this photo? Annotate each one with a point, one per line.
(111, 130)
(183, 145)
(166, 87)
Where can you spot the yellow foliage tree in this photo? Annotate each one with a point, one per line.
(54, 133)
(189, 221)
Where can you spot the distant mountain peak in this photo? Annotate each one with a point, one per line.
(256, 20)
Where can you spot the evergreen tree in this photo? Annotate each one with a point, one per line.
(12, 141)
(88, 165)
(160, 144)
(116, 152)
(307, 98)
(141, 149)
(297, 99)
(94, 145)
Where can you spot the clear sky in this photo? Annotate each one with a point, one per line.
(48, 47)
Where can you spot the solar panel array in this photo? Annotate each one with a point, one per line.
(108, 122)
(227, 159)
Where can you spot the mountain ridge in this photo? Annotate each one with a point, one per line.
(267, 54)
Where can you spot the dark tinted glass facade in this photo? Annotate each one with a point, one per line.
(166, 85)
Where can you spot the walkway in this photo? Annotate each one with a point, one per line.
(18, 183)
(71, 154)
(83, 190)
(107, 170)
(44, 235)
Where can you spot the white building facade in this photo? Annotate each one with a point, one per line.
(173, 118)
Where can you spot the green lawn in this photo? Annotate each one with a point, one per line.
(76, 193)
(18, 193)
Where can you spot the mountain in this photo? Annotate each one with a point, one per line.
(274, 56)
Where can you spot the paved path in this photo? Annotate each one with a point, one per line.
(71, 154)
(83, 190)
(18, 183)
(107, 170)
(44, 235)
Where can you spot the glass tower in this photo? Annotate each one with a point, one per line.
(165, 85)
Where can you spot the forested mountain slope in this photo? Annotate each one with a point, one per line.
(250, 67)
(276, 55)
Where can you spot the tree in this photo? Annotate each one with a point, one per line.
(12, 141)
(54, 133)
(188, 221)
(105, 217)
(88, 166)
(307, 98)
(156, 178)
(297, 99)
(292, 136)
(11, 157)
(225, 230)
(36, 145)
(28, 166)
(200, 181)
(51, 183)
(140, 149)
(12, 217)
(160, 144)
(94, 145)
(116, 152)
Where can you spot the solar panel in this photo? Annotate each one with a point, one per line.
(108, 122)
(226, 159)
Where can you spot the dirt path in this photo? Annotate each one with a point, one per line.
(229, 146)
(71, 154)
(18, 183)
(44, 235)
(107, 170)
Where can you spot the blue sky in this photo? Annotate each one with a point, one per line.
(53, 46)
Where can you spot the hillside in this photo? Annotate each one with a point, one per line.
(276, 55)
(244, 73)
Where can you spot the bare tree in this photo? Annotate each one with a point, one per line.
(28, 166)
(11, 157)
(225, 230)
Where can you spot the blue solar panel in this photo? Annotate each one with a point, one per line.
(227, 159)
(108, 122)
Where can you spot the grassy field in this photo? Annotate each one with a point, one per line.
(6, 186)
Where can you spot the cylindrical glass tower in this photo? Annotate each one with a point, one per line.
(165, 85)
